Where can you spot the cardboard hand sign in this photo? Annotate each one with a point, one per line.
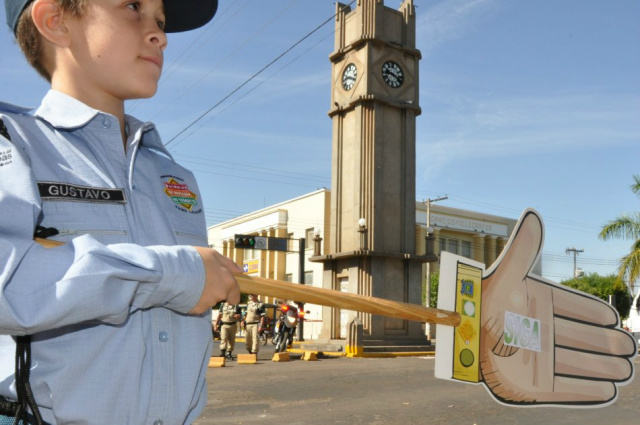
(528, 340)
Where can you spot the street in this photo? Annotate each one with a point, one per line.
(401, 390)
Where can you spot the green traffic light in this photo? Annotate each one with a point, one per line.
(245, 241)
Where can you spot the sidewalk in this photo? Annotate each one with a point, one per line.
(299, 348)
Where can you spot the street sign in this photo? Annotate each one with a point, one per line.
(261, 242)
(277, 244)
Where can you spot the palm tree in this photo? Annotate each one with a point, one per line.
(627, 226)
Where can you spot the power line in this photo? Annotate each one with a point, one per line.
(178, 62)
(235, 51)
(255, 75)
(249, 91)
(249, 168)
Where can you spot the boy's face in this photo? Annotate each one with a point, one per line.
(116, 50)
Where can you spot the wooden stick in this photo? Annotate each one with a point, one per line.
(326, 297)
(345, 300)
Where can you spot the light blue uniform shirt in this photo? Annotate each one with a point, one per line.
(112, 343)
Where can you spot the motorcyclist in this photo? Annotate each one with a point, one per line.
(286, 327)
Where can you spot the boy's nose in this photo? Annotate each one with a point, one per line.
(158, 38)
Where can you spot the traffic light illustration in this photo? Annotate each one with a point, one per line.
(250, 242)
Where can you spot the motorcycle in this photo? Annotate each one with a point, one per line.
(286, 327)
(266, 334)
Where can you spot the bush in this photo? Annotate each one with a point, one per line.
(603, 286)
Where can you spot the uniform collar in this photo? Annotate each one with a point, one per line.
(65, 112)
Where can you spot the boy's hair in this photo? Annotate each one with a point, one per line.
(30, 40)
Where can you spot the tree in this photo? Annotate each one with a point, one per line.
(435, 279)
(592, 283)
(603, 286)
(627, 226)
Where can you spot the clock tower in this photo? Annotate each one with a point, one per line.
(374, 104)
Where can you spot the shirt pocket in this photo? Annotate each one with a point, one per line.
(185, 214)
(107, 223)
(186, 237)
(188, 230)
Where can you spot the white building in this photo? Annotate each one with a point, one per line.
(478, 236)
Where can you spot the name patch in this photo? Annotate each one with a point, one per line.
(55, 191)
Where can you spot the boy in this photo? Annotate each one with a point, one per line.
(118, 316)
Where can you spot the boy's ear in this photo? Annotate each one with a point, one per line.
(48, 18)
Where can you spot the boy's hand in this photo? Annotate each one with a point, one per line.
(219, 282)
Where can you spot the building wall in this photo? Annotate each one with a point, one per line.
(294, 219)
(471, 234)
(478, 236)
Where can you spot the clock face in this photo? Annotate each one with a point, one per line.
(392, 74)
(349, 76)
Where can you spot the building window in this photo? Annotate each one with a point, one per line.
(452, 246)
(456, 246)
(308, 238)
(308, 278)
(465, 249)
(249, 254)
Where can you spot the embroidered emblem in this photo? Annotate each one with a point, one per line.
(179, 193)
(56, 191)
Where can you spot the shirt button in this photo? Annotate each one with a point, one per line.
(106, 122)
(163, 337)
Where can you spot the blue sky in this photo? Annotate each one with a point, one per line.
(524, 104)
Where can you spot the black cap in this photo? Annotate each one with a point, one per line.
(182, 15)
(185, 15)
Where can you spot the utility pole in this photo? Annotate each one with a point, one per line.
(301, 251)
(575, 254)
(430, 231)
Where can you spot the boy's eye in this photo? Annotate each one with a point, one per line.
(160, 25)
(134, 6)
